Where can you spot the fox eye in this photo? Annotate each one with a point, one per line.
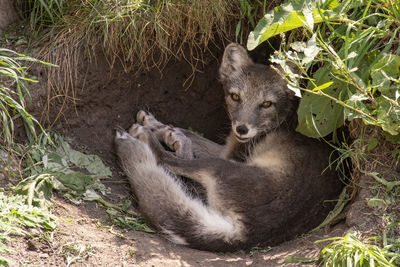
(235, 97)
(266, 104)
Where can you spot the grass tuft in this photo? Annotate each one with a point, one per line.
(140, 34)
(350, 251)
(14, 96)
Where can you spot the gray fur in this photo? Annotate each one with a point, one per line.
(261, 190)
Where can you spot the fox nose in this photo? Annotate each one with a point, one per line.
(242, 129)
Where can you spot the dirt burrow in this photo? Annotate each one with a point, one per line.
(106, 98)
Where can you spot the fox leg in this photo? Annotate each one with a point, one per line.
(186, 143)
(165, 202)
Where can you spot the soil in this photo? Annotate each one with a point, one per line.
(85, 227)
(110, 97)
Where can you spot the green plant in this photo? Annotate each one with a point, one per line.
(13, 102)
(342, 59)
(74, 253)
(16, 216)
(44, 12)
(350, 251)
(120, 218)
(77, 175)
(56, 165)
(249, 12)
(349, 61)
(51, 164)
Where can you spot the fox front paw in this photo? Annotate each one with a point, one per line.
(152, 124)
(147, 119)
(140, 132)
(177, 141)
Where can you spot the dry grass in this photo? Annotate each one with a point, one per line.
(139, 34)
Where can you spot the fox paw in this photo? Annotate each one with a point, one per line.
(177, 141)
(150, 122)
(147, 119)
(140, 132)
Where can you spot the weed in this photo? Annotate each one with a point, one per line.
(50, 165)
(120, 219)
(74, 253)
(342, 59)
(55, 165)
(300, 260)
(352, 54)
(16, 216)
(255, 250)
(58, 166)
(333, 215)
(350, 251)
(250, 11)
(13, 103)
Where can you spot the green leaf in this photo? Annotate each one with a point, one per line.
(389, 185)
(128, 222)
(372, 143)
(388, 116)
(385, 75)
(91, 163)
(319, 115)
(38, 188)
(307, 51)
(376, 203)
(238, 29)
(75, 181)
(395, 139)
(357, 101)
(311, 50)
(323, 86)
(290, 15)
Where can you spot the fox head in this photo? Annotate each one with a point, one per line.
(257, 98)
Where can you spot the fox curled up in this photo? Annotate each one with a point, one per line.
(265, 186)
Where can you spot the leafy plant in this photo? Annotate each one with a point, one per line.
(350, 251)
(51, 165)
(57, 166)
(342, 59)
(127, 222)
(349, 61)
(54, 165)
(75, 253)
(16, 215)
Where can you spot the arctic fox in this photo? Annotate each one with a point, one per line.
(266, 185)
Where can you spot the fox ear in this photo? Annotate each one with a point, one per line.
(235, 58)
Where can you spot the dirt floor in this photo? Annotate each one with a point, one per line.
(106, 99)
(85, 227)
